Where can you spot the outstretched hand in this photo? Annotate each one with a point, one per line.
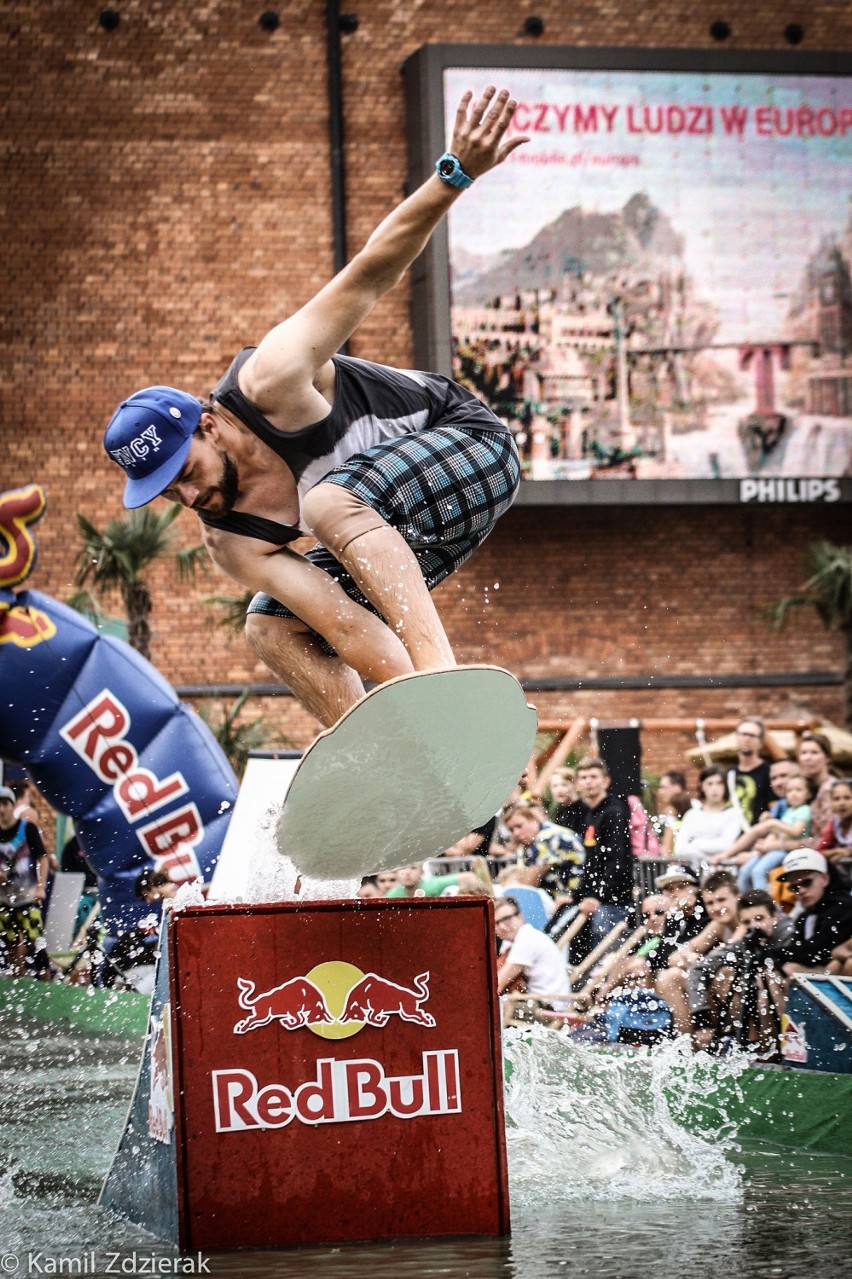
(479, 131)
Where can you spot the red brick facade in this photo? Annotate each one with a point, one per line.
(168, 199)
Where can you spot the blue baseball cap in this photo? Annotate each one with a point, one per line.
(149, 437)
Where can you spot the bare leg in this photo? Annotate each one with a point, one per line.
(324, 685)
(671, 986)
(385, 568)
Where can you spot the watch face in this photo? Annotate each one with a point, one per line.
(447, 168)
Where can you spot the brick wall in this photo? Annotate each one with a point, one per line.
(168, 199)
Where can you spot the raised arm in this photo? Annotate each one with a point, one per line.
(298, 347)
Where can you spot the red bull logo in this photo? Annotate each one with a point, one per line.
(294, 1003)
(341, 1092)
(25, 626)
(374, 999)
(19, 509)
(334, 1000)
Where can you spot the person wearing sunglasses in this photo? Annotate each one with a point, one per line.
(822, 917)
(526, 954)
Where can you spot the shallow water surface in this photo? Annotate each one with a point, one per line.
(604, 1180)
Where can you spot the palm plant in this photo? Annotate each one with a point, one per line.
(233, 609)
(116, 559)
(238, 740)
(828, 590)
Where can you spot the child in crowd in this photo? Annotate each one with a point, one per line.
(563, 790)
(835, 840)
(793, 823)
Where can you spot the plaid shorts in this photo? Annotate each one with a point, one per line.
(443, 490)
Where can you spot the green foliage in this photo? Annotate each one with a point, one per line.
(828, 589)
(126, 547)
(235, 739)
(89, 605)
(115, 559)
(233, 609)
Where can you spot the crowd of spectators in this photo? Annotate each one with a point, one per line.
(750, 885)
(667, 913)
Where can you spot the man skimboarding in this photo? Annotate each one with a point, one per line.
(399, 475)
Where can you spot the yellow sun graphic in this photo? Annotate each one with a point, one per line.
(335, 979)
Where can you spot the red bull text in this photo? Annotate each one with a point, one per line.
(98, 734)
(342, 1092)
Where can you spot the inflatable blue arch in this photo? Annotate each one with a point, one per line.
(103, 735)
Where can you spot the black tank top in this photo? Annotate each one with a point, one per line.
(372, 403)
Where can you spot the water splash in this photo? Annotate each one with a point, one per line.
(603, 1125)
(189, 894)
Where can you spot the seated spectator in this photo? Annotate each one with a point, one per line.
(682, 951)
(793, 822)
(770, 851)
(605, 891)
(814, 757)
(835, 838)
(673, 802)
(779, 771)
(824, 921)
(23, 886)
(711, 982)
(756, 852)
(635, 969)
(368, 888)
(477, 843)
(472, 886)
(686, 914)
(411, 882)
(709, 830)
(528, 959)
(551, 855)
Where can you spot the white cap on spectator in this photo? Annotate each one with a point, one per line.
(677, 875)
(803, 859)
(6, 792)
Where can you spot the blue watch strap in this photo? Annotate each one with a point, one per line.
(449, 170)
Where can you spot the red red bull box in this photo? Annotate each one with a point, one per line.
(317, 1074)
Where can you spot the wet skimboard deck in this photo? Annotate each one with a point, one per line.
(410, 769)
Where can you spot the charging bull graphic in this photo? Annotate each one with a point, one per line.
(374, 999)
(298, 1002)
(103, 736)
(294, 1003)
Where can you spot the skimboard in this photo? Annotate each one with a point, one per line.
(412, 767)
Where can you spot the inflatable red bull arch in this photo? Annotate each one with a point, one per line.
(103, 735)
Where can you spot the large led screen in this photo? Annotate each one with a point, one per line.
(656, 287)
